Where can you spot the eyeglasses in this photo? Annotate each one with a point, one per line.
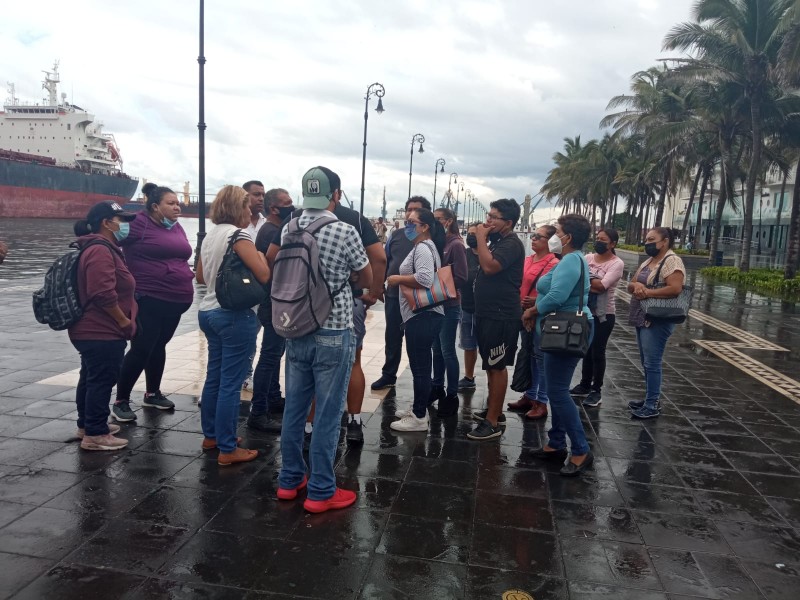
(538, 236)
(492, 217)
(414, 222)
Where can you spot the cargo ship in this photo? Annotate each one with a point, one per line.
(55, 159)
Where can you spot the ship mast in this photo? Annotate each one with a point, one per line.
(50, 83)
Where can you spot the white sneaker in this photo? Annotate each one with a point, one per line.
(404, 412)
(411, 423)
(248, 384)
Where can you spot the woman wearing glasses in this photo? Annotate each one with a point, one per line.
(537, 265)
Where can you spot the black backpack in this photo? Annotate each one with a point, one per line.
(56, 304)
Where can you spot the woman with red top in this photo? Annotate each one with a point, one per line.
(157, 252)
(106, 292)
(445, 358)
(538, 264)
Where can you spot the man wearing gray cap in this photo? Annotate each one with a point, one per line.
(318, 364)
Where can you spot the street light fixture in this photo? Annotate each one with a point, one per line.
(459, 188)
(438, 168)
(417, 137)
(377, 90)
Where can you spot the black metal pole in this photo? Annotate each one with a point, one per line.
(379, 91)
(201, 130)
(417, 137)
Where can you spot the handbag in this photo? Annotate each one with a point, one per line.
(667, 310)
(235, 285)
(566, 333)
(442, 289)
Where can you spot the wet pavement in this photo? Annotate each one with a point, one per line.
(702, 503)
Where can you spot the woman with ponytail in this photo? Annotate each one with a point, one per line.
(421, 329)
(157, 252)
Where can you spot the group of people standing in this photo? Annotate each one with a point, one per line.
(134, 282)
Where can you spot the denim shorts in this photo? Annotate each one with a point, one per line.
(359, 321)
(466, 338)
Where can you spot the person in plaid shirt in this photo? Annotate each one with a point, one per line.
(319, 364)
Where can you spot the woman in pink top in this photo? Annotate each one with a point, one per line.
(605, 271)
(537, 265)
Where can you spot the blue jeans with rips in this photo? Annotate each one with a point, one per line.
(565, 419)
(318, 366)
(652, 343)
(231, 337)
(445, 358)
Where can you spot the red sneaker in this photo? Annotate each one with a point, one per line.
(284, 494)
(340, 499)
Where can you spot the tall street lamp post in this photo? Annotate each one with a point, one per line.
(201, 131)
(417, 137)
(377, 90)
(459, 188)
(438, 168)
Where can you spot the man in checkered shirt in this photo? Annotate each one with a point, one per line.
(319, 364)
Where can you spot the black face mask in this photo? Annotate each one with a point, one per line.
(472, 241)
(651, 249)
(600, 247)
(284, 212)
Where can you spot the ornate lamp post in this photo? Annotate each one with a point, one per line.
(201, 133)
(438, 168)
(377, 90)
(467, 205)
(417, 137)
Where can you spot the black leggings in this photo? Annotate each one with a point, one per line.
(594, 363)
(157, 322)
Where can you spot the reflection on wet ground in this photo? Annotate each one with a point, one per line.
(701, 503)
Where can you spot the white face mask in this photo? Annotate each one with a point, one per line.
(554, 244)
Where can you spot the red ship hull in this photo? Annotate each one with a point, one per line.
(50, 204)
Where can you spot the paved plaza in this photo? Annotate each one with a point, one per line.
(703, 502)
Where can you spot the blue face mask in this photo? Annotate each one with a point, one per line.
(123, 231)
(168, 223)
(411, 231)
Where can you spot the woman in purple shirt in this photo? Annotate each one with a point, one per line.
(157, 252)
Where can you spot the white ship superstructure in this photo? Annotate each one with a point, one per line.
(61, 131)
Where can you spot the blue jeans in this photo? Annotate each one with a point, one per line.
(566, 420)
(101, 361)
(444, 351)
(652, 342)
(421, 331)
(266, 383)
(317, 366)
(231, 336)
(538, 389)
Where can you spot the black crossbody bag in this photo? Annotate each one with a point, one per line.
(236, 286)
(566, 333)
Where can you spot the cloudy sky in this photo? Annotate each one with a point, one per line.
(493, 86)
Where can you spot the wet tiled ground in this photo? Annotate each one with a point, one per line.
(702, 503)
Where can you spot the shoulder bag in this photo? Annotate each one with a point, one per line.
(236, 286)
(566, 333)
(442, 290)
(667, 310)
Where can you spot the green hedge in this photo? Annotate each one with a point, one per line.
(768, 281)
(634, 248)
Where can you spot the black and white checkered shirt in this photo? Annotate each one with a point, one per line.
(340, 252)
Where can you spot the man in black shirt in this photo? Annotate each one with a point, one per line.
(497, 308)
(267, 402)
(467, 340)
(362, 300)
(397, 248)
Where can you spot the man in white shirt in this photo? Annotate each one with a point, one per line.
(255, 194)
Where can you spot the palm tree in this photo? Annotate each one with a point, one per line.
(564, 180)
(738, 41)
